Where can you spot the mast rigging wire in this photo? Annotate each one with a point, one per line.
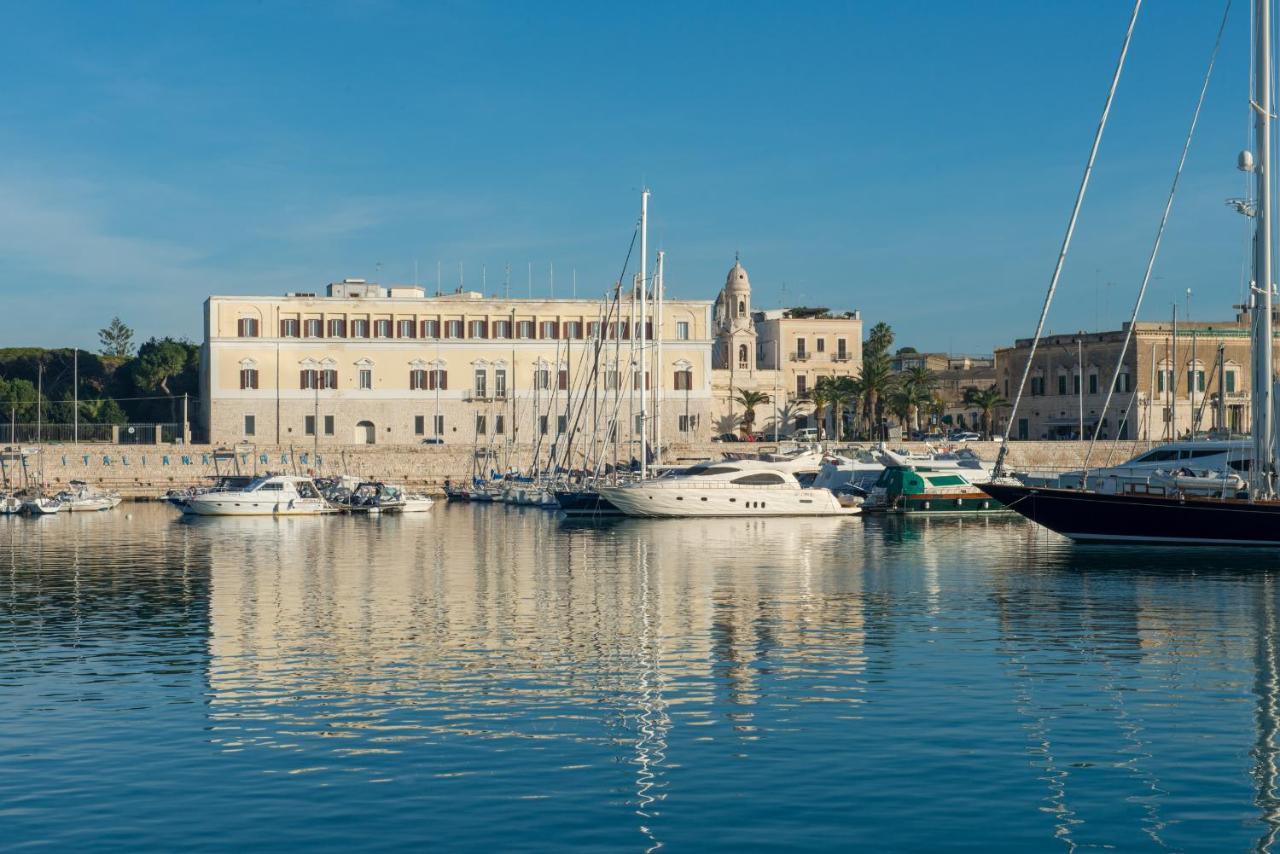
(1066, 240)
(1155, 246)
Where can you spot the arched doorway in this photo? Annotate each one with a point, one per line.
(364, 433)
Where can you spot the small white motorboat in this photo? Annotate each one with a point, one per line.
(417, 503)
(273, 495)
(41, 506)
(82, 498)
(10, 505)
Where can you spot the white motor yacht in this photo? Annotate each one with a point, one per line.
(10, 505)
(273, 495)
(1197, 466)
(857, 471)
(82, 498)
(725, 488)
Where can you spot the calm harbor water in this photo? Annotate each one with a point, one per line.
(479, 678)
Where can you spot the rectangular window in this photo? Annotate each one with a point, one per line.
(1062, 383)
(1195, 379)
(479, 329)
(360, 328)
(542, 424)
(1230, 381)
(430, 329)
(842, 349)
(382, 329)
(308, 379)
(524, 329)
(1023, 428)
(635, 381)
(329, 378)
(573, 329)
(542, 379)
(499, 424)
(562, 380)
(417, 380)
(1075, 383)
(288, 327)
(247, 327)
(366, 378)
(502, 329)
(593, 329)
(562, 423)
(482, 382)
(438, 425)
(453, 329)
(639, 424)
(438, 378)
(682, 330)
(822, 345)
(500, 383)
(337, 328)
(480, 425)
(328, 425)
(801, 386)
(550, 329)
(248, 378)
(684, 380)
(312, 328)
(611, 380)
(406, 329)
(1093, 383)
(684, 423)
(249, 425)
(801, 349)
(419, 425)
(309, 425)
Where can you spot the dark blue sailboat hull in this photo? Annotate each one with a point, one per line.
(1091, 517)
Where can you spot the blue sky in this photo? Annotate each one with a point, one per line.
(913, 160)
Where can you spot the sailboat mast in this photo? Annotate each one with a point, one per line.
(1262, 472)
(644, 337)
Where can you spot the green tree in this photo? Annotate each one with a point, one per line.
(879, 340)
(839, 393)
(877, 380)
(117, 339)
(160, 360)
(985, 400)
(18, 399)
(749, 400)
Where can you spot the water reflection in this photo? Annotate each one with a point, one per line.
(635, 684)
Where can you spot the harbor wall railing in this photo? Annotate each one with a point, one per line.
(142, 471)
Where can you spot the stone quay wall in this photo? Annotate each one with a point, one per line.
(138, 471)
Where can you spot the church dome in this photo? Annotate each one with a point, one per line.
(737, 280)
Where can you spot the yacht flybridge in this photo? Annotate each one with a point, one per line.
(273, 495)
(725, 488)
(1236, 511)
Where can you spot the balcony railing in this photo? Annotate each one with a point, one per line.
(800, 357)
(484, 394)
(841, 357)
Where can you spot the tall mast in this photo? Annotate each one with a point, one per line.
(658, 368)
(644, 338)
(1262, 472)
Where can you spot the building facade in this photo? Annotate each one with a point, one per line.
(369, 364)
(778, 354)
(1168, 385)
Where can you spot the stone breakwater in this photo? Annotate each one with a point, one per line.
(148, 471)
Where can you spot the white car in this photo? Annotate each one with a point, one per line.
(965, 437)
(807, 434)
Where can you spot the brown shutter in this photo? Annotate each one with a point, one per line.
(444, 380)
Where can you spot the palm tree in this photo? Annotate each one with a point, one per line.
(876, 378)
(820, 398)
(919, 384)
(841, 393)
(749, 400)
(985, 400)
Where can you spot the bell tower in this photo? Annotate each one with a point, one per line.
(735, 332)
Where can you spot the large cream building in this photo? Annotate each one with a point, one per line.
(369, 364)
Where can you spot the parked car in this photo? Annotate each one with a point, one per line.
(434, 440)
(806, 434)
(965, 437)
(727, 437)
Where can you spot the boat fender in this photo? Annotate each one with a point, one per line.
(926, 505)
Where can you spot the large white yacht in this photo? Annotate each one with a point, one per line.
(725, 488)
(273, 495)
(1211, 466)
